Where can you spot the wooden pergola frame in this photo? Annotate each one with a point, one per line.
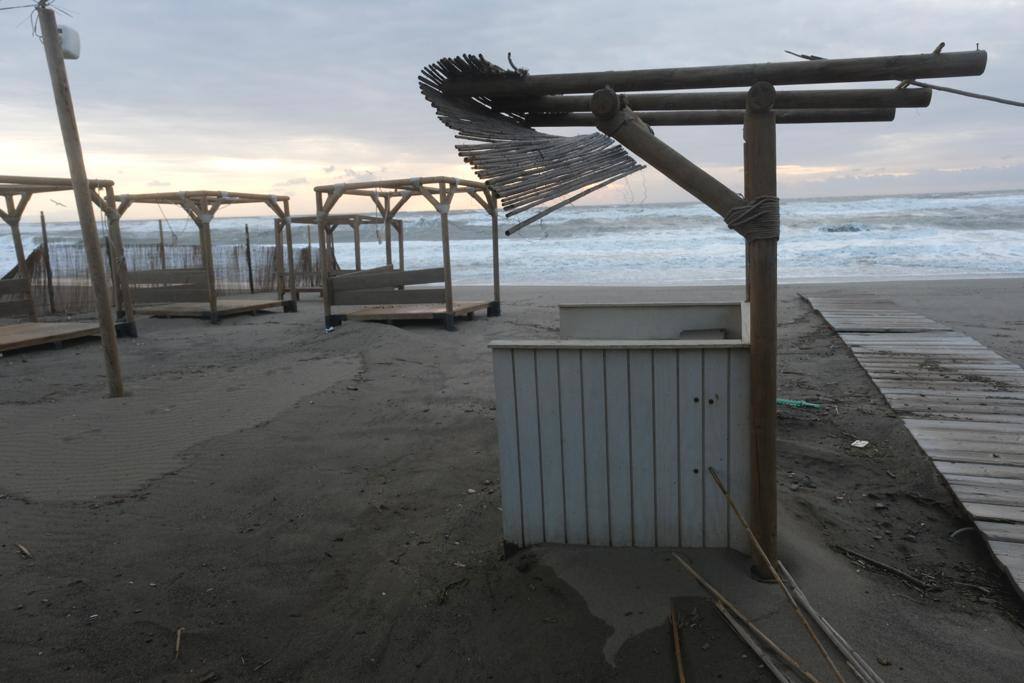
(614, 101)
(390, 196)
(355, 221)
(201, 206)
(17, 192)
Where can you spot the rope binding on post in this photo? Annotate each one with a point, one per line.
(756, 220)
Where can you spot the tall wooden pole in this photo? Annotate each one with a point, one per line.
(248, 260)
(206, 245)
(163, 254)
(759, 166)
(400, 229)
(83, 200)
(492, 208)
(46, 261)
(325, 266)
(279, 257)
(387, 230)
(292, 306)
(119, 267)
(449, 296)
(359, 250)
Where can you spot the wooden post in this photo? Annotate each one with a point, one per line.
(248, 260)
(325, 266)
(110, 267)
(206, 244)
(119, 267)
(400, 229)
(163, 255)
(83, 200)
(279, 257)
(46, 261)
(449, 299)
(494, 308)
(293, 306)
(359, 249)
(19, 251)
(759, 166)
(387, 230)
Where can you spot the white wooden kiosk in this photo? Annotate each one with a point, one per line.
(606, 434)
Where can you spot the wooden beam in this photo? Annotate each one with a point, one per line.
(80, 180)
(409, 184)
(701, 101)
(291, 257)
(322, 212)
(123, 295)
(759, 168)
(494, 308)
(722, 117)
(336, 219)
(46, 263)
(279, 258)
(636, 136)
(449, 297)
(891, 68)
(57, 184)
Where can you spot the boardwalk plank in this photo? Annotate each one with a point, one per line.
(963, 404)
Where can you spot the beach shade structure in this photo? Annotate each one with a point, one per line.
(355, 221)
(192, 292)
(623, 105)
(391, 294)
(16, 299)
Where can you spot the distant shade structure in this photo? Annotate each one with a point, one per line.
(524, 167)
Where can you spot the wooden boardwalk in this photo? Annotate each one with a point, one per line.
(25, 335)
(962, 402)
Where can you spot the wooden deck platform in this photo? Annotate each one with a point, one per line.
(962, 402)
(25, 335)
(390, 312)
(226, 306)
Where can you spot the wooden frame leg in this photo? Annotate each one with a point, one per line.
(759, 162)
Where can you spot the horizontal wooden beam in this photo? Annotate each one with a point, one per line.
(388, 296)
(694, 101)
(337, 219)
(42, 180)
(720, 117)
(891, 68)
(391, 278)
(220, 196)
(408, 184)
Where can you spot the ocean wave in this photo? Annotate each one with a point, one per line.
(855, 238)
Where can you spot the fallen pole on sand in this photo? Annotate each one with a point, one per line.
(676, 646)
(855, 661)
(793, 664)
(752, 643)
(775, 575)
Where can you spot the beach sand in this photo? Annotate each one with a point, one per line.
(325, 507)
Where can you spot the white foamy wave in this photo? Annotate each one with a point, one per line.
(926, 236)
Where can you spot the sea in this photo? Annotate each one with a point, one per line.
(918, 237)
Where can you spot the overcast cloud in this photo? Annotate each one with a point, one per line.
(277, 96)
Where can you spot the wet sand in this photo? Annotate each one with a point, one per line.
(299, 503)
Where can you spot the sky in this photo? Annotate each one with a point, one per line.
(278, 96)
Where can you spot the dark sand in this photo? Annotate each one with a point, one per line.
(299, 503)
